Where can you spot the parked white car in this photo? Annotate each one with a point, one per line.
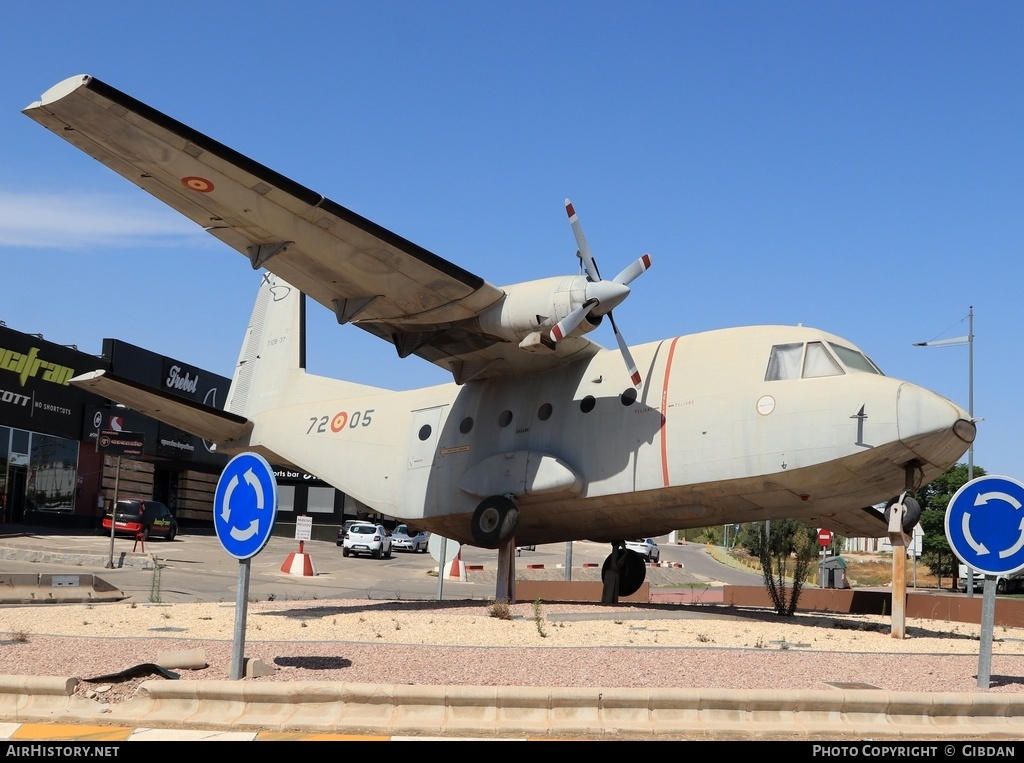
(366, 538)
(647, 548)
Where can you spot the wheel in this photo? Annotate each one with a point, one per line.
(387, 554)
(1001, 585)
(344, 552)
(912, 515)
(494, 520)
(145, 534)
(171, 533)
(632, 574)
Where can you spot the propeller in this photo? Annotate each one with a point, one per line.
(601, 295)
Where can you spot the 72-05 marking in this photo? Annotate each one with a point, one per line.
(340, 421)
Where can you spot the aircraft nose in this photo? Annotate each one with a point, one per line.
(936, 429)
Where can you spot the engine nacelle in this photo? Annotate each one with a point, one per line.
(529, 310)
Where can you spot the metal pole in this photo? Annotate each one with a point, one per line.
(969, 341)
(241, 609)
(113, 514)
(970, 389)
(440, 569)
(970, 410)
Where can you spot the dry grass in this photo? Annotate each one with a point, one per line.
(873, 570)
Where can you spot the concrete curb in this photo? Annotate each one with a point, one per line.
(306, 706)
(47, 588)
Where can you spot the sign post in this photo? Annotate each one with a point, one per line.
(244, 510)
(824, 539)
(985, 528)
(119, 444)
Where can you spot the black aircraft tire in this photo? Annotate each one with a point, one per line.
(912, 515)
(634, 572)
(494, 520)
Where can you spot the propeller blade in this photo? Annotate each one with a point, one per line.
(568, 324)
(635, 269)
(581, 243)
(634, 374)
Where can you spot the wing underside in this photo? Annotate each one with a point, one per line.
(364, 273)
(866, 522)
(200, 420)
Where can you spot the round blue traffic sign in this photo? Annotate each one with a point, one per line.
(245, 505)
(985, 524)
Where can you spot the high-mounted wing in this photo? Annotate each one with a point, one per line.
(367, 275)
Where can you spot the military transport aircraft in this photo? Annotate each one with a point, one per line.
(543, 436)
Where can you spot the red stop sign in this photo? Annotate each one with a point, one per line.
(824, 537)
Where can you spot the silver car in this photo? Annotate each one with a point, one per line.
(404, 540)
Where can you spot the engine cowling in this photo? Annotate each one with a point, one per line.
(528, 311)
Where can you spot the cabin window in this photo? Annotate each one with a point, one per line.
(466, 426)
(505, 418)
(587, 404)
(854, 359)
(818, 363)
(544, 412)
(424, 433)
(628, 397)
(784, 362)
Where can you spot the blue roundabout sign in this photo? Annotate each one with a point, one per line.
(245, 505)
(985, 524)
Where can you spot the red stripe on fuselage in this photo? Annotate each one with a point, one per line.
(664, 411)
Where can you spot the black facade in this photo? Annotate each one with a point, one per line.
(41, 428)
(51, 472)
(34, 390)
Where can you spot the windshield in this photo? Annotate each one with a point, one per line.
(854, 359)
(813, 361)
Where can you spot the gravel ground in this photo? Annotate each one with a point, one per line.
(465, 643)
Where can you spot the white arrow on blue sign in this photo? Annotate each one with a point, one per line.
(245, 505)
(985, 524)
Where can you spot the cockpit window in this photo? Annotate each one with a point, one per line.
(814, 361)
(784, 362)
(818, 363)
(854, 360)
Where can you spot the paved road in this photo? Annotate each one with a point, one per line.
(194, 567)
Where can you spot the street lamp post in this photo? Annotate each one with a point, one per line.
(959, 342)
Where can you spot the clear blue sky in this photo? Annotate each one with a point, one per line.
(854, 166)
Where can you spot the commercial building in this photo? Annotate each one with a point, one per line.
(52, 473)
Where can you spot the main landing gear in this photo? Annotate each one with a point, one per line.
(495, 520)
(622, 573)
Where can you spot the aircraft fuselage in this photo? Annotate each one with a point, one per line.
(706, 438)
